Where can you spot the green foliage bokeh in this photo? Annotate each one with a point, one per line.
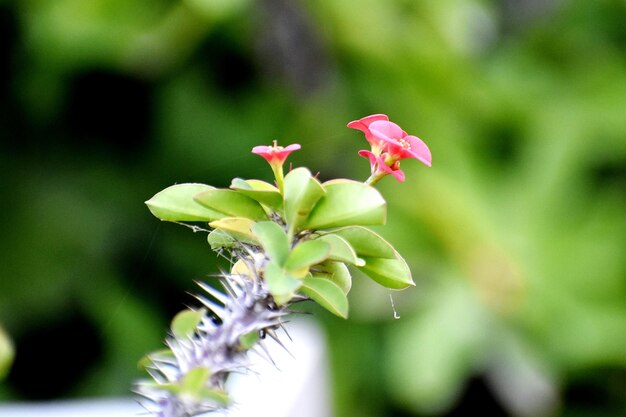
(516, 236)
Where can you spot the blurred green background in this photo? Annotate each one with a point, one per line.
(516, 236)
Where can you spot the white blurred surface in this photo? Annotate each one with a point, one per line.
(297, 386)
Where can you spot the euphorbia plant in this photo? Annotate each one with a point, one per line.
(290, 241)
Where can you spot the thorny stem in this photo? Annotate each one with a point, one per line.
(244, 309)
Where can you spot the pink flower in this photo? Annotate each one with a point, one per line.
(389, 145)
(275, 154)
(398, 144)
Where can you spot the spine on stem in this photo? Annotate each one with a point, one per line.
(210, 343)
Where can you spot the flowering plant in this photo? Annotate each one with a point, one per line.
(390, 144)
(287, 242)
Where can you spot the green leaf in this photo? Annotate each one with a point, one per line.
(163, 355)
(327, 294)
(390, 273)
(307, 253)
(248, 340)
(382, 262)
(173, 388)
(347, 203)
(281, 285)
(231, 203)
(194, 384)
(216, 395)
(144, 362)
(365, 242)
(221, 239)
(274, 240)
(302, 192)
(260, 191)
(238, 183)
(6, 353)
(184, 323)
(240, 228)
(340, 250)
(241, 268)
(336, 272)
(177, 204)
(195, 380)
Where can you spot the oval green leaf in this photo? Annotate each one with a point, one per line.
(240, 228)
(365, 242)
(231, 204)
(216, 395)
(274, 240)
(336, 272)
(382, 262)
(195, 380)
(260, 191)
(193, 385)
(281, 285)
(177, 204)
(390, 273)
(248, 340)
(184, 323)
(340, 250)
(160, 356)
(221, 239)
(307, 253)
(302, 192)
(347, 203)
(327, 294)
(6, 353)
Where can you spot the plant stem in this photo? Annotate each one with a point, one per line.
(278, 174)
(373, 179)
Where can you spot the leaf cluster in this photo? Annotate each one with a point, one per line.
(300, 242)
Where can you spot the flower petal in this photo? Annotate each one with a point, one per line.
(364, 122)
(386, 131)
(292, 147)
(261, 149)
(398, 173)
(369, 155)
(419, 150)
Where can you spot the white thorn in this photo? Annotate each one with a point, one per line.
(219, 296)
(214, 308)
